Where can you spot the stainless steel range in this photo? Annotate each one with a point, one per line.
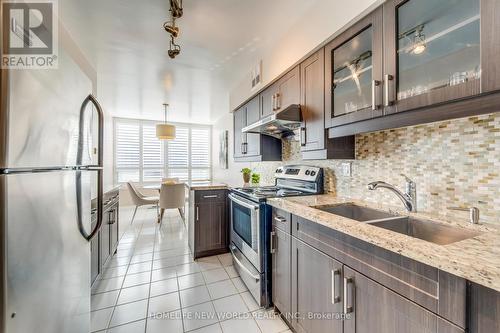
(251, 224)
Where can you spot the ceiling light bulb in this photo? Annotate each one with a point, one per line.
(418, 49)
(419, 43)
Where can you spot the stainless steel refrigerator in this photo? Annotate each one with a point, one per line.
(46, 174)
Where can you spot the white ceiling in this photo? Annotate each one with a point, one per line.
(220, 40)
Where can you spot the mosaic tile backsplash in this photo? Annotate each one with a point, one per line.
(454, 163)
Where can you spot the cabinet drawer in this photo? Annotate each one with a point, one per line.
(282, 220)
(437, 291)
(210, 196)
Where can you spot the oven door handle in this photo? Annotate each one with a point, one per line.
(240, 264)
(243, 203)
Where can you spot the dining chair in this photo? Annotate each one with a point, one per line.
(172, 196)
(140, 199)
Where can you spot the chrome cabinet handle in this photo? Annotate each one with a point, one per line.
(375, 84)
(335, 278)
(302, 136)
(274, 102)
(278, 101)
(98, 168)
(273, 235)
(197, 213)
(348, 306)
(280, 219)
(210, 196)
(387, 78)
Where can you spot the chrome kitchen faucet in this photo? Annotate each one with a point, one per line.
(409, 198)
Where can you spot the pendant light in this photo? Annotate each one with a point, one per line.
(165, 131)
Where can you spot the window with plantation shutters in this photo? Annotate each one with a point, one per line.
(200, 154)
(141, 157)
(178, 154)
(128, 151)
(152, 155)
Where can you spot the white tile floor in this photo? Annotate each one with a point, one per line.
(153, 285)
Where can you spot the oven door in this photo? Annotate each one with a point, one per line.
(245, 228)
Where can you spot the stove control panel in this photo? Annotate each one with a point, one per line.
(300, 172)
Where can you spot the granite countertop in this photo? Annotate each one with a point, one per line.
(216, 185)
(476, 259)
(210, 185)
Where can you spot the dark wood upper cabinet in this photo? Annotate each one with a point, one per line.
(288, 89)
(253, 147)
(439, 51)
(284, 92)
(267, 101)
(313, 140)
(252, 139)
(239, 119)
(312, 102)
(354, 72)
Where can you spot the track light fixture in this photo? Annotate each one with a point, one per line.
(171, 28)
(176, 12)
(418, 43)
(174, 49)
(176, 8)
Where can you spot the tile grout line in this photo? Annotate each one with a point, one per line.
(150, 278)
(123, 282)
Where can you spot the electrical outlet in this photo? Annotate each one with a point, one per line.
(347, 169)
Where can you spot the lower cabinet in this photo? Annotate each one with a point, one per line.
(208, 222)
(281, 272)
(113, 229)
(316, 290)
(104, 236)
(371, 307)
(94, 256)
(317, 293)
(105, 242)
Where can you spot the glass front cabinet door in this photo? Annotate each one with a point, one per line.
(354, 73)
(439, 51)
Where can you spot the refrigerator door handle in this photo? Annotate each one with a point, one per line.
(100, 191)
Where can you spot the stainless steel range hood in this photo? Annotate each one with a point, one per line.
(279, 124)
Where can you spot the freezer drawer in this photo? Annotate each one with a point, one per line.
(47, 260)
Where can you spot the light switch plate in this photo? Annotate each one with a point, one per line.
(347, 169)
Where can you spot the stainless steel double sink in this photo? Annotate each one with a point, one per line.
(426, 230)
